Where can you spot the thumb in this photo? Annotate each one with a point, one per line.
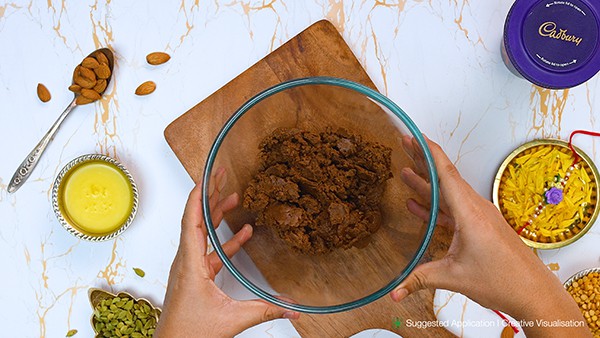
(425, 276)
(254, 312)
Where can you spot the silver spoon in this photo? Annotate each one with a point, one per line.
(26, 167)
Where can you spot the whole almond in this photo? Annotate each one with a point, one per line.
(87, 73)
(43, 93)
(157, 58)
(507, 332)
(100, 86)
(102, 59)
(84, 82)
(90, 94)
(76, 72)
(90, 63)
(81, 100)
(145, 88)
(102, 71)
(75, 88)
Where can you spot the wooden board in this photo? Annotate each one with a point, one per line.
(317, 51)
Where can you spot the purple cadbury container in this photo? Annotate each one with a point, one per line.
(553, 43)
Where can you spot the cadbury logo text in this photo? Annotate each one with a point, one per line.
(548, 29)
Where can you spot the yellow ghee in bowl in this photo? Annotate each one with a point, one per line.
(96, 197)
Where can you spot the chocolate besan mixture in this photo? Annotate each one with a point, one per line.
(319, 192)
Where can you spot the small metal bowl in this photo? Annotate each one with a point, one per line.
(574, 278)
(56, 198)
(579, 275)
(96, 295)
(532, 238)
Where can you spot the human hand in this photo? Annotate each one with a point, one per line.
(194, 306)
(486, 261)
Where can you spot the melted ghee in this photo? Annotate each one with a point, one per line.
(97, 197)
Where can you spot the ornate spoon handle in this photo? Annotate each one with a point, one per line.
(34, 156)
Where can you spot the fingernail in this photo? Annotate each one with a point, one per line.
(290, 315)
(407, 171)
(211, 186)
(399, 294)
(223, 181)
(247, 229)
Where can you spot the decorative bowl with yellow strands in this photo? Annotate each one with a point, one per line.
(547, 194)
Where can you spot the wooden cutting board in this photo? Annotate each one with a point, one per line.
(317, 51)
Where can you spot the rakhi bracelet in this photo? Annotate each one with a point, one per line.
(552, 195)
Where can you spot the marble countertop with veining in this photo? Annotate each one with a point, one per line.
(438, 59)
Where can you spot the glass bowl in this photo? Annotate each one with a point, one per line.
(342, 279)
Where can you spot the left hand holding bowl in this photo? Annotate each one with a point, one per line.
(194, 306)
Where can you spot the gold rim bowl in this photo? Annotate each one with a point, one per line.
(532, 238)
(96, 295)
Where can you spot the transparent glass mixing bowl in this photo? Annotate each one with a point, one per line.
(345, 278)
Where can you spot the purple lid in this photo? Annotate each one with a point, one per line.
(554, 43)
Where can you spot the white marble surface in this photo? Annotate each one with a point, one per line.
(439, 60)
